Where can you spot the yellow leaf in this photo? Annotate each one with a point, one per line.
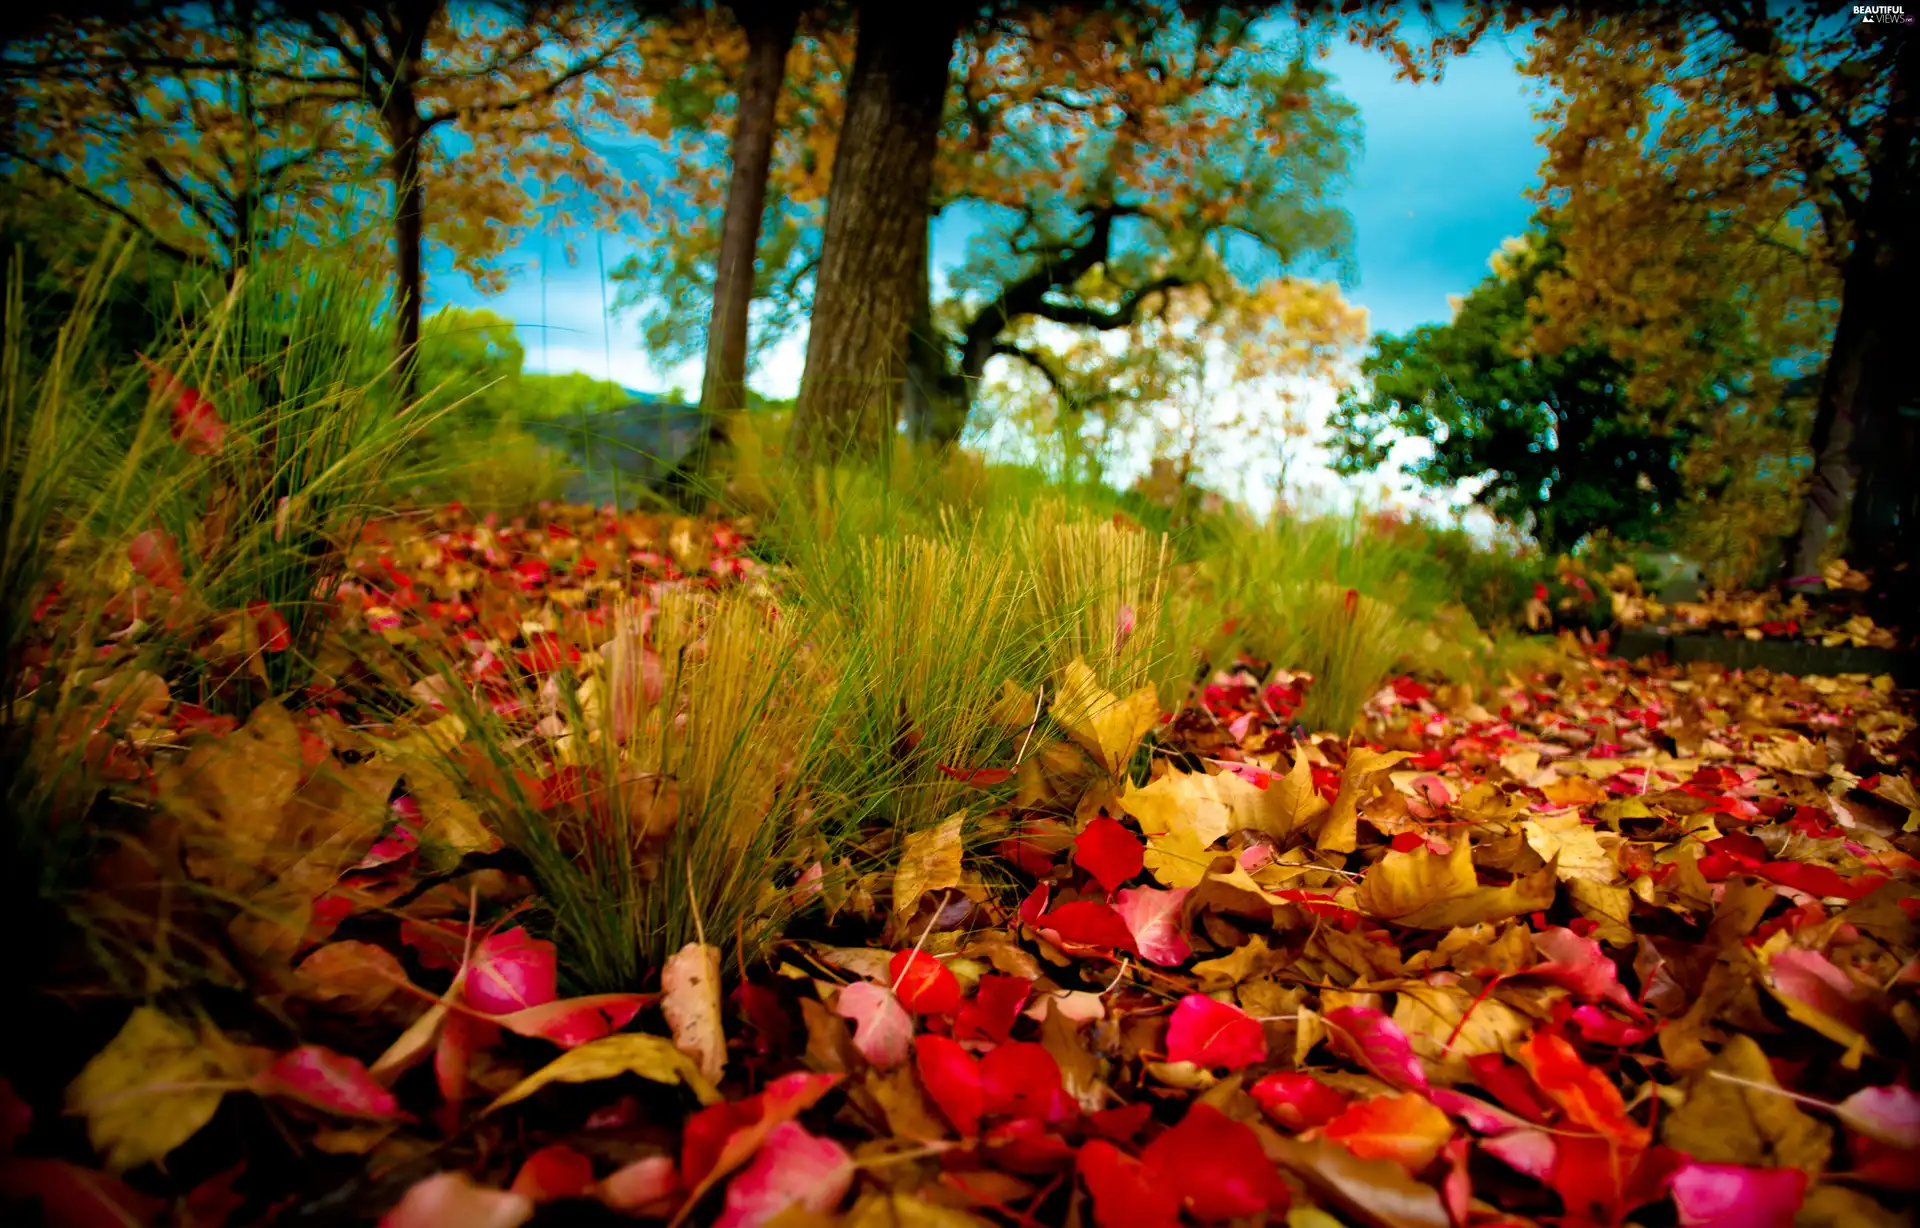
(1574, 844)
(650, 1057)
(1177, 859)
(929, 861)
(1432, 1015)
(1426, 891)
(690, 999)
(1240, 964)
(1748, 1122)
(1298, 803)
(140, 1094)
(1180, 804)
(1340, 833)
(1107, 727)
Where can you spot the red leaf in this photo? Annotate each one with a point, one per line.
(156, 559)
(979, 778)
(1022, 1079)
(1109, 852)
(1733, 1196)
(1216, 1167)
(554, 1171)
(452, 1200)
(1089, 923)
(1376, 1042)
(1578, 1090)
(196, 423)
(923, 984)
(793, 1168)
(571, 1022)
(1153, 915)
(953, 1081)
(76, 1197)
(994, 1009)
(1027, 1145)
(1125, 1193)
(334, 1082)
(1209, 1034)
(1298, 1101)
(269, 627)
(511, 971)
(1405, 1128)
(720, 1139)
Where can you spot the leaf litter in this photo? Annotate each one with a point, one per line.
(1612, 944)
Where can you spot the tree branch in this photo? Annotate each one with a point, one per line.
(104, 202)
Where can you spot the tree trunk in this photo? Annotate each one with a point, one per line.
(863, 299)
(406, 134)
(409, 237)
(770, 26)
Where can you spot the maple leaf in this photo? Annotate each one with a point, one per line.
(1106, 726)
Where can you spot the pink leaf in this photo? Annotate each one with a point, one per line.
(572, 1022)
(1298, 1101)
(953, 1081)
(1530, 1152)
(1154, 917)
(793, 1168)
(269, 627)
(924, 985)
(718, 1140)
(452, 1200)
(1209, 1033)
(882, 1029)
(639, 1185)
(996, 1005)
(156, 559)
(1580, 965)
(1109, 852)
(1733, 1196)
(1216, 1166)
(511, 972)
(1811, 978)
(333, 1082)
(1376, 1042)
(1888, 1115)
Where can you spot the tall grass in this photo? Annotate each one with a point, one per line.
(144, 562)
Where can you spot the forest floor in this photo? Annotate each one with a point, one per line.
(1610, 943)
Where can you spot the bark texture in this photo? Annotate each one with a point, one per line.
(769, 26)
(406, 131)
(877, 213)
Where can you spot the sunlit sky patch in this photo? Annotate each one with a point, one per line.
(1440, 180)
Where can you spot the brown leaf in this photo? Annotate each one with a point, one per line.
(1375, 1193)
(1340, 833)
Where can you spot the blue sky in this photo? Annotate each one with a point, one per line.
(1440, 180)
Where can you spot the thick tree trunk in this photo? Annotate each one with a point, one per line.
(863, 300)
(770, 26)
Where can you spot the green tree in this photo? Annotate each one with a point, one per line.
(1561, 450)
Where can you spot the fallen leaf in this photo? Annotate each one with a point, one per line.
(1153, 917)
(1109, 852)
(1727, 1122)
(151, 1089)
(929, 861)
(792, 1169)
(651, 1057)
(1731, 1196)
(1358, 779)
(452, 1200)
(1425, 890)
(333, 1082)
(1406, 1129)
(882, 1028)
(1107, 727)
(1212, 1034)
(690, 999)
